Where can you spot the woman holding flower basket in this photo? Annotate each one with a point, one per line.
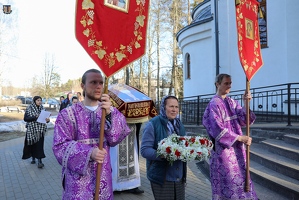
(223, 119)
(167, 178)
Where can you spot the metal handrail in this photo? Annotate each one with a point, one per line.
(277, 103)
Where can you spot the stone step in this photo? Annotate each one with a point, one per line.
(274, 128)
(195, 130)
(282, 148)
(274, 162)
(261, 190)
(262, 133)
(284, 185)
(256, 139)
(292, 139)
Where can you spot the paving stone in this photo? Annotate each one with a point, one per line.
(21, 180)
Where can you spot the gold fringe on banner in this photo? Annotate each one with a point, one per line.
(237, 2)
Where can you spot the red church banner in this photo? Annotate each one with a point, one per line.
(248, 36)
(112, 32)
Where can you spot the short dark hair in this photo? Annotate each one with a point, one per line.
(220, 77)
(89, 71)
(74, 97)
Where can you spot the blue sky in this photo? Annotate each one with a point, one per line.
(44, 27)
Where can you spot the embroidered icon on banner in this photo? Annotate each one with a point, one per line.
(121, 5)
(249, 29)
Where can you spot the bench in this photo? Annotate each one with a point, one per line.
(13, 108)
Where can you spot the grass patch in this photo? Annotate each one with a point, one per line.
(4, 136)
(15, 116)
(10, 103)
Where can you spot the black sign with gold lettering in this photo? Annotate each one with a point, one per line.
(134, 104)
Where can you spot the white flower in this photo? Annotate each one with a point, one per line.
(184, 148)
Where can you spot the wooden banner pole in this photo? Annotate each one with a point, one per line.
(247, 186)
(101, 142)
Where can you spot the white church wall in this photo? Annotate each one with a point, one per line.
(228, 53)
(200, 68)
(196, 43)
(280, 58)
(292, 9)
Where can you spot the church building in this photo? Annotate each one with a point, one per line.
(209, 46)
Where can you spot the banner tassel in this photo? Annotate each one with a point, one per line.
(261, 13)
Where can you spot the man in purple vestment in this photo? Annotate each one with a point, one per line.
(76, 141)
(223, 119)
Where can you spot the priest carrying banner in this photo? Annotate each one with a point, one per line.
(113, 33)
(249, 49)
(224, 117)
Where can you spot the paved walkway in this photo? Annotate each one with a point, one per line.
(21, 180)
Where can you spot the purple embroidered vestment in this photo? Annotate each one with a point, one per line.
(223, 119)
(76, 134)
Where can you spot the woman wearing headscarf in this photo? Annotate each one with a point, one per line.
(167, 181)
(35, 132)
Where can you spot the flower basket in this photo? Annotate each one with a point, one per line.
(184, 148)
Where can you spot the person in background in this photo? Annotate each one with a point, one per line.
(67, 101)
(35, 133)
(80, 97)
(61, 98)
(223, 119)
(76, 141)
(167, 181)
(74, 100)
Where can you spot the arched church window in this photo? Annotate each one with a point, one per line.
(188, 66)
(263, 23)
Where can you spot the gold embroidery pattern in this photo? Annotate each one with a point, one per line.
(114, 104)
(248, 67)
(138, 112)
(154, 112)
(97, 45)
(138, 109)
